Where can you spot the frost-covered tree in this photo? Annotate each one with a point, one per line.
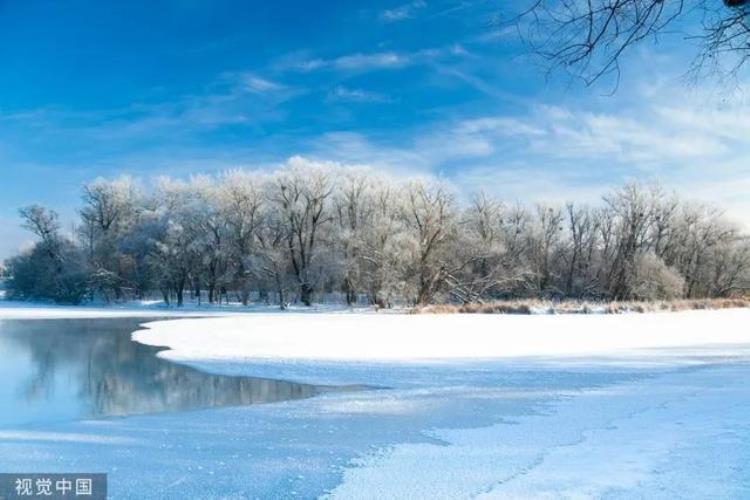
(352, 215)
(176, 248)
(242, 201)
(327, 231)
(429, 217)
(302, 195)
(652, 279)
(109, 212)
(383, 246)
(580, 254)
(53, 268)
(271, 260)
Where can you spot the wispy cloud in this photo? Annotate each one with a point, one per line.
(341, 93)
(572, 152)
(375, 60)
(402, 12)
(176, 134)
(357, 62)
(260, 85)
(652, 138)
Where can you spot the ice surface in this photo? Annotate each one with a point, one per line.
(440, 431)
(651, 423)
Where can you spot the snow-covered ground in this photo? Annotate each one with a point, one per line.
(627, 406)
(374, 337)
(503, 430)
(681, 435)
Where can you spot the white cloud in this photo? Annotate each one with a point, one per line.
(232, 98)
(572, 152)
(259, 85)
(342, 93)
(357, 62)
(402, 12)
(354, 148)
(527, 184)
(650, 138)
(376, 60)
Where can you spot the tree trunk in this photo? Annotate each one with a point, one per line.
(306, 293)
(179, 291)
(351, 296)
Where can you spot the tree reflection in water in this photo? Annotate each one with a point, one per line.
(114, 376)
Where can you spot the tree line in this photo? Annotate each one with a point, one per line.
(303, 233)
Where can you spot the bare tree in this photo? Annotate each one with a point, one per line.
(544, 250)
(352, 213)
(328, 230)
(589, 38)
(241, 202)
(582, 227)
(52, 268)
(42, 222)
(109, 211)
(485, 264)
(302, 196)
(176, 252)
(272, 258)
(383, 246)
(428, 216)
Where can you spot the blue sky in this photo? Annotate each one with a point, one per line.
(91, 88)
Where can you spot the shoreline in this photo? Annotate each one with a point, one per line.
(12, 309)
(336, 334)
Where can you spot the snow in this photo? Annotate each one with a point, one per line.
(600, 443)
(374, 337)
(503, 431)
(627, 406)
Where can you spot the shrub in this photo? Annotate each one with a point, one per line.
(43, 273)
(652, 279)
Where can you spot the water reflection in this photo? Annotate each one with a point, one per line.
(56, 369)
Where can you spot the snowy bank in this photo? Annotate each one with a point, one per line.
(374, 337)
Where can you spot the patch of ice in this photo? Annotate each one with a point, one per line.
(589, 446)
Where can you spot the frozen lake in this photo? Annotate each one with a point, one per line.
(72, 369)
(79, 395)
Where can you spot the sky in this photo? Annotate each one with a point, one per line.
(433, 87)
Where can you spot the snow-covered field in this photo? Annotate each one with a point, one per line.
(373, 337)
(632, 406)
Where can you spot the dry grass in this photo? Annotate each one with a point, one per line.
(581, 307)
